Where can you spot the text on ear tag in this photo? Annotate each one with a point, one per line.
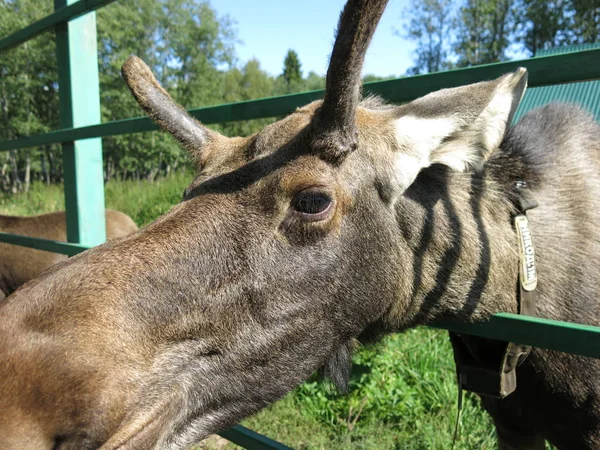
(528, 273)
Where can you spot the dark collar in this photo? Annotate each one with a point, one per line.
(486, 366)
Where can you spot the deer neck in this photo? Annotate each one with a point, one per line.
(464, 254)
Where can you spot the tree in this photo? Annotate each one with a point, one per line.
(430, 24)
(585, 21)
(544, 24)
(314, 81)
(484, 31)
(186, 45)
(369, 78)
(541, 24)
(248, 83)
(292, 74)
(28, 92)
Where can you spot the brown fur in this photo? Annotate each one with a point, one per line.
(278, 257)
(21, 264)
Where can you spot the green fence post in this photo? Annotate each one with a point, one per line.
(79, 92)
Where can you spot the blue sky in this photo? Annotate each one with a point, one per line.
(269, 28)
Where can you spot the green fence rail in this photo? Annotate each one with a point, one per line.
(81, 131)
(61, 15)
(246, 438)
(66, 248)
(543, 71)
(575, 338)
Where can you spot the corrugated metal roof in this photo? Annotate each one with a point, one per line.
(586, 94)
(566, 49)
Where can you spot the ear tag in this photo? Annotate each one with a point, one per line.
(528, 273)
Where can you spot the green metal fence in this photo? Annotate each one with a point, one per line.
(80, 134)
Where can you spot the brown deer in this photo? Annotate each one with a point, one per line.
(346, 217)
(21, 264)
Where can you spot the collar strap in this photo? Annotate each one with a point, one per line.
(517, 353)
(496, 375)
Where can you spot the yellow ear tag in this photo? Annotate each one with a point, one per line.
(528, 273)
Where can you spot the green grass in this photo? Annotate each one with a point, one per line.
(403, 391)
(142, 200)
(403, 396)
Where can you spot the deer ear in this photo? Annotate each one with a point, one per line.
(459, 127)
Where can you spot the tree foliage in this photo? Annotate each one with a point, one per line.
(541, 25)
(291, 69)
(28, 94)
(189, 47)
(186, 45)
(429, 25)
(557, 22)
(485, 31)
(584, 21)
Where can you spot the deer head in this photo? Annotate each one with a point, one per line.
(287, 245)
(298, 227)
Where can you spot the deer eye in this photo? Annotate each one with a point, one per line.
(312, 204)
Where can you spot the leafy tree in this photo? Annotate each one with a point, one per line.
(585, 21)
(186, 44)
(314, 81)
(540, 24)
(370, 77)
(248, 83)
(484, 31)
(545, 24)
(28, 92)
(430, 25)
(292, 74)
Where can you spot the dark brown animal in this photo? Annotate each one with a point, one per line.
(341, 219)
(21, 264)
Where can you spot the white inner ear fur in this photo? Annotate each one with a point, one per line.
(460, 141)
(416, 138)
(470, 147)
